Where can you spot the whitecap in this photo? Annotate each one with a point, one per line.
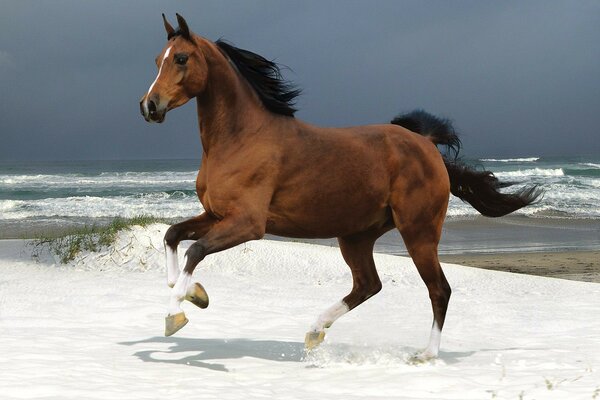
(589, 164)
(532, 172)
(160, 205)
(107, 179)
(525, 159)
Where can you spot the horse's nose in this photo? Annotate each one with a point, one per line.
(152, 113)
(152, 109)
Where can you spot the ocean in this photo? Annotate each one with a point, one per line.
(38, 196)
(571, 185)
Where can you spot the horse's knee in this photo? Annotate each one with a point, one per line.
(172, 236)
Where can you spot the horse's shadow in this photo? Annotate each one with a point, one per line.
(203, 350)
(199, 352)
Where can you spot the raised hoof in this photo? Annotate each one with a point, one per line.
(198, 296)
(313, 339)
(173, 323)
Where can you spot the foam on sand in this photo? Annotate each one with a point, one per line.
(93, 329)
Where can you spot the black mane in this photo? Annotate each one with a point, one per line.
(264, 76)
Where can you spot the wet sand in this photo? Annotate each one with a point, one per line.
(572, 265)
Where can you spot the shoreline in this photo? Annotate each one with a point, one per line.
(576, 265)
(465, 235)
(559, 248)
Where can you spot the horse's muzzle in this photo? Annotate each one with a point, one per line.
(151, 110)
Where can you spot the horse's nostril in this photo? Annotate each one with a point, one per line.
(151, 107)
(150, 111)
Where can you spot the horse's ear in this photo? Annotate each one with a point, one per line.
(168, 28)
(183, 27)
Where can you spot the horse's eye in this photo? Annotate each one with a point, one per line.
(181, 59)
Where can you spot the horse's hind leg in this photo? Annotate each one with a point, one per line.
(421, 242)
(358, 254)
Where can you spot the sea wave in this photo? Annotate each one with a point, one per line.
(507, 160)
(163, 205)
(104, 179)
(589, 164)
(531, 172)
(586, 172)
(558, 202)
(571, 190)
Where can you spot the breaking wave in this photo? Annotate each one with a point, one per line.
(532, 172)
(510, 160)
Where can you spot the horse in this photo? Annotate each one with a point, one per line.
(264, 171)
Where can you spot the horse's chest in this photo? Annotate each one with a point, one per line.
(201, 189)
(211, 197)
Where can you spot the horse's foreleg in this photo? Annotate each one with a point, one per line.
(358, 254)
(191, 229)
(172, 264)
(221, 235)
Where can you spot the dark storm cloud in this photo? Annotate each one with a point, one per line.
(518, 78)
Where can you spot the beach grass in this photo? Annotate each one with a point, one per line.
(69, 243)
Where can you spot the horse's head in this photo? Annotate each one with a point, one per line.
(182, 73)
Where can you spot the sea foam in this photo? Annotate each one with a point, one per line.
(532, 172)
(510, 160)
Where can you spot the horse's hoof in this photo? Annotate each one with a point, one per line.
(173, 323)
(422, 358)
(313, 339)
(198, 296)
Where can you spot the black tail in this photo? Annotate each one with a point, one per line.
(478, 188)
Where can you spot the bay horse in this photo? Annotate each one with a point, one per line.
(264, 171)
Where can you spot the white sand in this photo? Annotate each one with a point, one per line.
(93, 329)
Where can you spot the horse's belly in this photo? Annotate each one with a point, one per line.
(325, 217)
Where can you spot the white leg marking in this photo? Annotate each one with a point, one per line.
(434, 343)
(178, 293)
(155, 80)
(172, 267)
(326, 319)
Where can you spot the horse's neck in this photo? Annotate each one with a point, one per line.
(228, 109)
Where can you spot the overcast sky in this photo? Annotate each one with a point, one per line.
(517, 78)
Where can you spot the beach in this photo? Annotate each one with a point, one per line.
(559, 248)
(93, 328)
(566, 249)
(574, 265)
